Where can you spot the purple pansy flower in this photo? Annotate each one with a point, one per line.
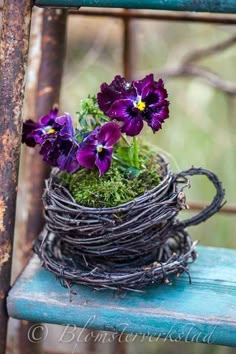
(135, 102)
(61, 153)
(97, 148)
(33, 132)
(59, 149)
(55, 135)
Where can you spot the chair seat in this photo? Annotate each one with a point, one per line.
(226, 6)
(204, 311)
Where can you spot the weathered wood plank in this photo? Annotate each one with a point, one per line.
(204, 311)
(225, 6)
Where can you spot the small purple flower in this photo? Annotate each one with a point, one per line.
(97, 148)
(61, 153)
(60, 147)
(55, 135)
(135, 102)
(33, 132)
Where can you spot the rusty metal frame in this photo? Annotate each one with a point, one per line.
(13, 55)
(53, 47)
(128, 47)
(160, 16)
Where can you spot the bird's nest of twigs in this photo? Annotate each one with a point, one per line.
(125, 247)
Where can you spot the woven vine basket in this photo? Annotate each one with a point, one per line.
(125, 247)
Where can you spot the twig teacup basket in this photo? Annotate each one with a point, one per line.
(125, 247)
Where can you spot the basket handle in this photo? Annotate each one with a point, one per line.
(216, 204)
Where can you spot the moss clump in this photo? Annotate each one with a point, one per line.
(114, 188)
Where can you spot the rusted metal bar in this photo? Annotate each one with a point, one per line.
(17, 339)
(47, 92)
(128, 54)
(13, 55)
(129, 48)
(227, 209)
(160, 16)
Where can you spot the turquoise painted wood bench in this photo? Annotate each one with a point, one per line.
(203, 312)
(177, 5)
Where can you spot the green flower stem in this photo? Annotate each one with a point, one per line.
(125, 139)
(136, 152)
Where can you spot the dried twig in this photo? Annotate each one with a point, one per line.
(211, 78)
(202, 53)
(189, 68)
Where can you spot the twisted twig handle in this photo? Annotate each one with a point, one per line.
(216, 204)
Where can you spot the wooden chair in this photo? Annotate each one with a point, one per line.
(204, 312)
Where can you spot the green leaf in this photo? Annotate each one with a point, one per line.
(90, 115)
(129, 156)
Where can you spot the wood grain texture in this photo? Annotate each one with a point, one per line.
(204, 311)
(224, 6)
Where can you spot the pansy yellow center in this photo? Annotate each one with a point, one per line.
(141, 105)
(49, 130)
(100, 148)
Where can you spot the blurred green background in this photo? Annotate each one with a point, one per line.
(202, 124)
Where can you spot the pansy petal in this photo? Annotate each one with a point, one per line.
(132, 126)
(103, 161)
(140, 84)
(31, 133)
(66, 124)
(68, 162)
(118, 89)
(86, 156)
(121, 109)
(152, 95)
(158, 117)
(106, 98)
(50, 152)
(125, 88)
(49, 118)
(109, 134)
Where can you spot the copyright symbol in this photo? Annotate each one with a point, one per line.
(37, 333)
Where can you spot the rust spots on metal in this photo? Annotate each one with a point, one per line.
(3, 208)
(5, 253)
(45, 90)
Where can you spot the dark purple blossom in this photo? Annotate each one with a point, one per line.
(55, 135)
(59, 148)
(135, 102)
(61, 153)
(97, 148)
(33, 132)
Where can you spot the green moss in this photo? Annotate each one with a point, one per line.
(114, 188)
